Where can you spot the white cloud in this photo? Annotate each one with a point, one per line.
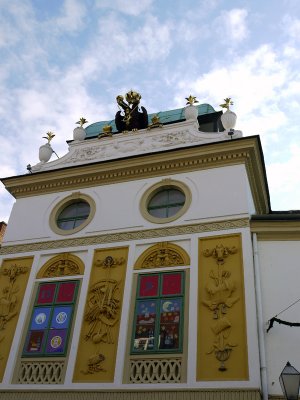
(291, 27)
(231, 26)
(130, 7)
(283, 177)
(72, 18)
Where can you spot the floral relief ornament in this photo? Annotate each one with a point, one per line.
(221, 296)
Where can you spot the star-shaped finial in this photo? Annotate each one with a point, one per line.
(82, 121)
(227, 103)
(191, 100)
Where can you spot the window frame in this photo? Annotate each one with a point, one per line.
(158, 312)
(52, 305)
(61, 205)
(159, 186)
(168, 205)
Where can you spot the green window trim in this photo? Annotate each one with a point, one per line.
(51, 319)
(161, 331)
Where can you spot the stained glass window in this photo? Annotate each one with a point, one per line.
(158, 318)
(51, 319)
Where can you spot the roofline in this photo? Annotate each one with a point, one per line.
(242, 151)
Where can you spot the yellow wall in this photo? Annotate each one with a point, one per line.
(222, 341)
(14, 274)
(98, 344)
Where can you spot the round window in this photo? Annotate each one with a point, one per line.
(73, 215)
(166, 203)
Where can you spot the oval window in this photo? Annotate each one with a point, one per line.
(73, 215)
(166, 203)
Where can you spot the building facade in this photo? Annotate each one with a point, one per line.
(147, 263)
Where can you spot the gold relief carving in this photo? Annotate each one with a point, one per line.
(9, 300)
(220, 297)
(14, 275)
(131, 235)
(163, 254)
(65, 264)
(99, 334)
(221, 293)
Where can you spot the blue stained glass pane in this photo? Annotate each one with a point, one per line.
(40, 318)
(61, 317)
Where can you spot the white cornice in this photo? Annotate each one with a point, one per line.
(178, 135)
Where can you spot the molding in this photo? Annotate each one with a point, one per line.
(245, 151)
(150, 394)
(276, 230)
(126, 236)
(179, 134)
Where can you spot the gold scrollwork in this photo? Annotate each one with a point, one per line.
(163, 254)
(65, 264)
(221, 296)
(102, 314)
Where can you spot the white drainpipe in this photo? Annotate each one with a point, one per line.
(261, 324)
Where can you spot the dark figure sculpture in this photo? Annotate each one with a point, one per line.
(131, 119)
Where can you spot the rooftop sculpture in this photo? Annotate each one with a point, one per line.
(130, 118)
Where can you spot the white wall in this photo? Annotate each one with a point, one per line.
(280, 283)
(218, 193)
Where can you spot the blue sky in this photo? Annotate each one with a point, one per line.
(63, 59)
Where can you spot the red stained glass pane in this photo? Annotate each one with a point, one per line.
(46, 293)
(35, 341)
(66, 292)
(148, 286)
(172, 284)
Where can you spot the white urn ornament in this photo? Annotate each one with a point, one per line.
(191, 111)
(45, 151)
(228, 118)
(79, 132)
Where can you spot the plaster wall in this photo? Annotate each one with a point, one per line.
(279, 272)
(190, 243)
(218, 193)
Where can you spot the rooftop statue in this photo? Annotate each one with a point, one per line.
(131, 117)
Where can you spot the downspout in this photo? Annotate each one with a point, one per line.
(261, 342)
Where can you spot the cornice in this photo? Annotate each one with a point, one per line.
(127, 236)
(245, 151)
(276, 230)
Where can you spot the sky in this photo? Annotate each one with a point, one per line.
(66, 59)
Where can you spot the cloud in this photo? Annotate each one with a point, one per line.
(72, 17)
(291, 27)
(283, 178)
(132, 7)
(231, 26)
